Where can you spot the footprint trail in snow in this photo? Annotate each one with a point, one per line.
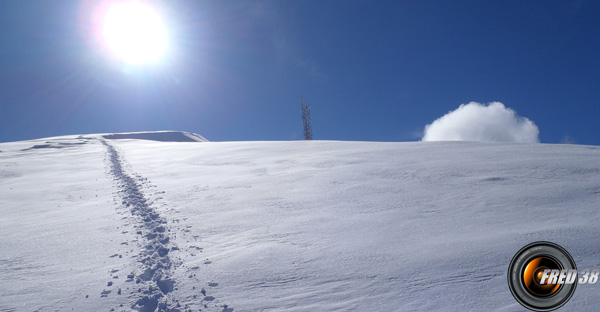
(159, 259)
(154, 280)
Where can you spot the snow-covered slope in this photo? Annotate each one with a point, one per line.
(93, 223)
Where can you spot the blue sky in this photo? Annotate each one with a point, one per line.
(370, 70)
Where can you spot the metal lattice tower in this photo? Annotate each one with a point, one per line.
(306, 120)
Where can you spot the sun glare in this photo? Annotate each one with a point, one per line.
(134, 32)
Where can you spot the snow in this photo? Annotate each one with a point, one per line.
(286, 226)
(59, 228)
(169, 136)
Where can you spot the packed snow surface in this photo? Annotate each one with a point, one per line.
(150, 222)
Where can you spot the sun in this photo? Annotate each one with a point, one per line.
(134, 32)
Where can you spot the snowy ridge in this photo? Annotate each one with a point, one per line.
(162, 136)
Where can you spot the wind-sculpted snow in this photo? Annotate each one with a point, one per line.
(60, 143)
(82, 238)
(286, 226)
(356, 226)
(63, 247)
(161, 136)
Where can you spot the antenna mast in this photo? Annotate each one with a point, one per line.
(306, 120)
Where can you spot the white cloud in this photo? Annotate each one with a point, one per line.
(478, 122)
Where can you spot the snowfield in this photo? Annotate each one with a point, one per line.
(168, 221)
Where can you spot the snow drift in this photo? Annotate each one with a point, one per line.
(161, 136)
